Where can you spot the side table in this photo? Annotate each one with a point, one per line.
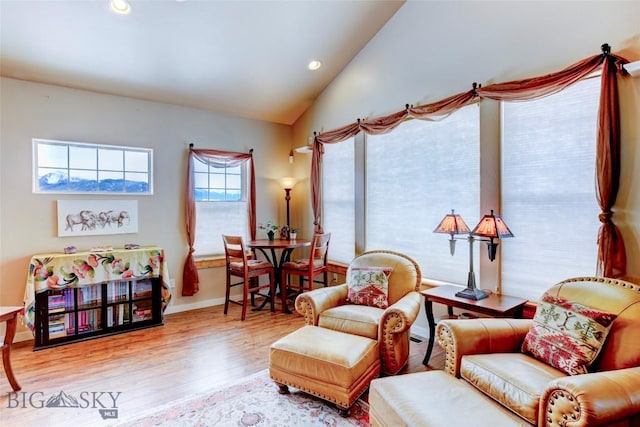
(494, 305)
(9, 315)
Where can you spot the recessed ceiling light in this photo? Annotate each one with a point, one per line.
(120, 6)
(314, 65)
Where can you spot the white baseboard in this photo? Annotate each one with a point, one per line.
(196, 305)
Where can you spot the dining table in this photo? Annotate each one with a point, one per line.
(270, 249)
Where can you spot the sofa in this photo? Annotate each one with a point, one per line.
(576, 363)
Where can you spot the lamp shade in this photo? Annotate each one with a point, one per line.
(492, 226)
(452, 224)
(287, 182)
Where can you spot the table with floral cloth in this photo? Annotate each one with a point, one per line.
(60, 270)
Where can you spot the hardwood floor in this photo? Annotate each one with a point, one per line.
(193, 352)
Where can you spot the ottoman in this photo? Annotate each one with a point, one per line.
(334, 366)
(433, 398)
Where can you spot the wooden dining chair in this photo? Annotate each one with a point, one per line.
(307, 268)
(239, 264)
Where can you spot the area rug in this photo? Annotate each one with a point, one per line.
(252, 401)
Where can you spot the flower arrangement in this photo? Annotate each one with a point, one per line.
(269, 226)
(271, 229)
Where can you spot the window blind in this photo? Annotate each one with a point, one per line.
(338, 187)
(414, 176)
(548, 189)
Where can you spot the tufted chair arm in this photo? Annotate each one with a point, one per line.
(600, 398)
(395, 324)
(400, 316)
(310, 304)
(478, 336)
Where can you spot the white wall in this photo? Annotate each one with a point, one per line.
(28, 221)
(431, 50)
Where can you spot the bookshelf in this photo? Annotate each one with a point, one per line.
(79, 313)
(73, 297)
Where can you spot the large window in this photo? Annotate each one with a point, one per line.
(338, 186)
(548, 189)
(414, 176)
(221, 205)
(74, 167)
(544, 189)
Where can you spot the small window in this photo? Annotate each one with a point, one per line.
(220, 193)
(218, 183)
(75, 167)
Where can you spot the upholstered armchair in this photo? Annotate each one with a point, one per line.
(334, 308)
(544, 384)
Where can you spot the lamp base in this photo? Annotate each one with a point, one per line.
(472, 293)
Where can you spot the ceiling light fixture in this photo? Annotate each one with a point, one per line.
(314, 65)
(120, 6)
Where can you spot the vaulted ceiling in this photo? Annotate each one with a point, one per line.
(245, 58)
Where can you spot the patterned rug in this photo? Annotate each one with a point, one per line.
(252, 401)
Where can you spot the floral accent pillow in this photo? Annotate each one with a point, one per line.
(369, 286)
(567, 335)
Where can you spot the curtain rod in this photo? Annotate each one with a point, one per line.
(191, 148)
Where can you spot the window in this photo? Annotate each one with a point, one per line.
(338, 187)
(553, 215)
(74, 167)
(221, 205)
(414, 176)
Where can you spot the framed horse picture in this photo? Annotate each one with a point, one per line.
(92, 217)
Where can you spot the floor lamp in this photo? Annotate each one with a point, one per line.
(287, 183)
(489, 228)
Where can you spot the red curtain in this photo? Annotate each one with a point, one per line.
(190, 279)
(611, 251)
(612, 258)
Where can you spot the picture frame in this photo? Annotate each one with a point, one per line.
(95, 217)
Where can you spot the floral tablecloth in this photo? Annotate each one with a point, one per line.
(59, 270)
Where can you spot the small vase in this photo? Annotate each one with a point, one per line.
(271, 235)
(293, 236)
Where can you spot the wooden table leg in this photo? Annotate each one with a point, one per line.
(10, 334)
(428, 307)
(277, 266)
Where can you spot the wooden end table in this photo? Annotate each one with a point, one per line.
(494, 305)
